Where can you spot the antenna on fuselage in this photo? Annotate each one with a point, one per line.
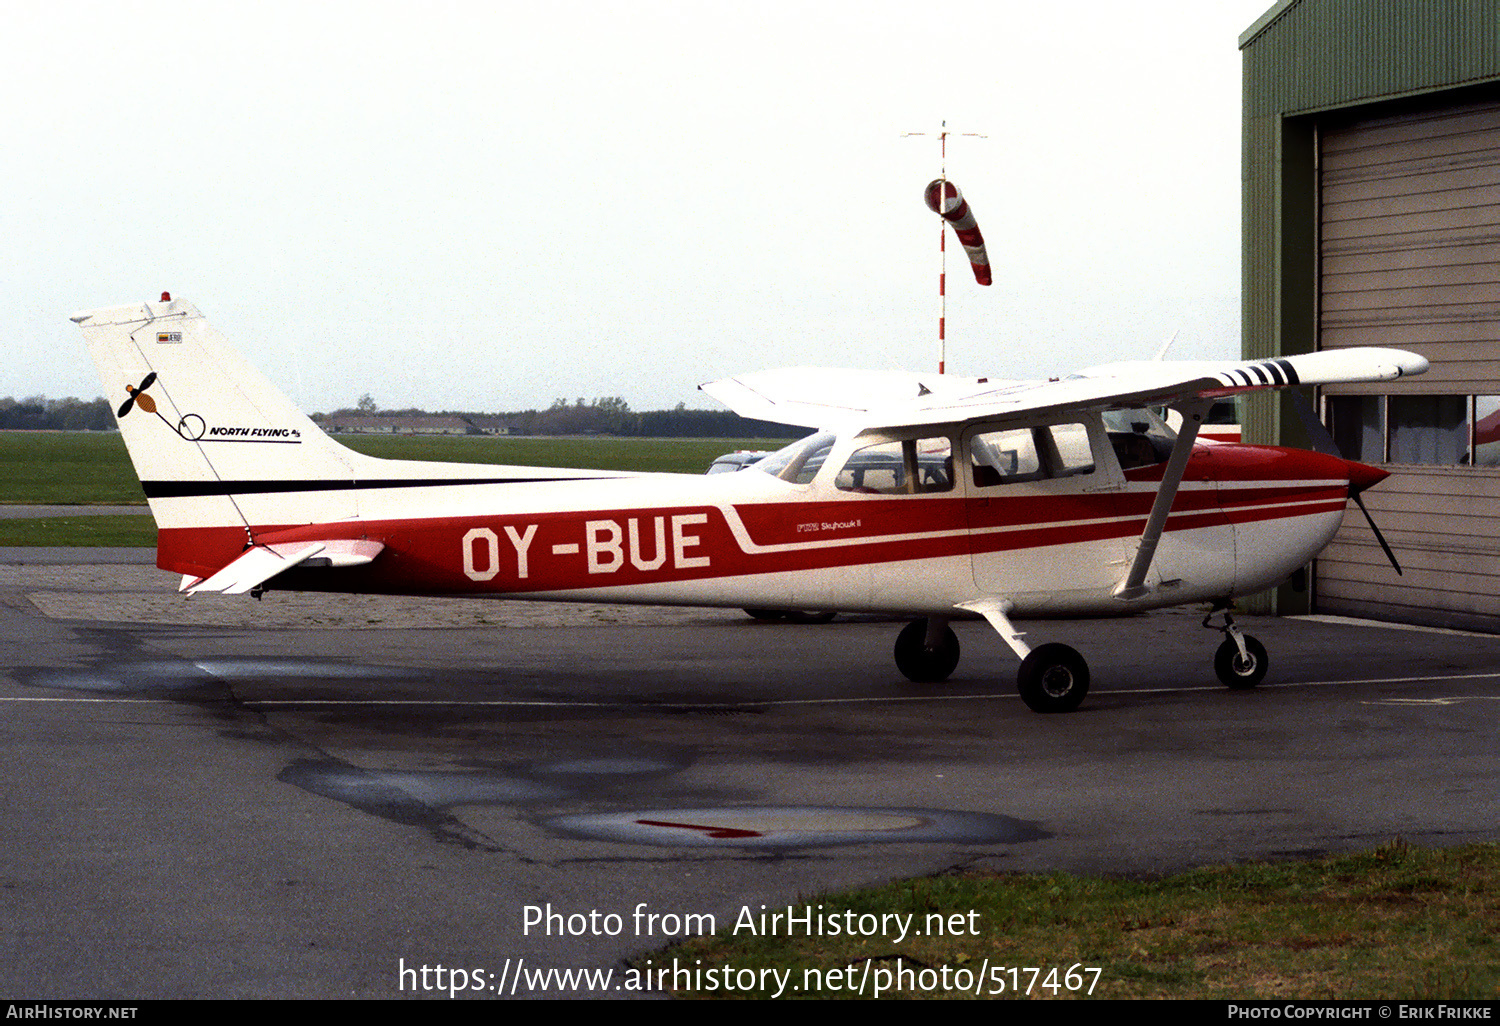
(944, 199)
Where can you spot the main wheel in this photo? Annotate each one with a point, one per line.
(1053, 678)
(921, 664)
(806, 616)
(1237, 671)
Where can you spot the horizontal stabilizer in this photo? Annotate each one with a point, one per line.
(259, 564)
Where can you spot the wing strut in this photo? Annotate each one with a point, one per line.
(1134, 585)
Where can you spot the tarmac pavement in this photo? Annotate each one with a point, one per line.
(321, 796)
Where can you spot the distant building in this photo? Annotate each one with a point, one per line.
(489, 424)
(397, 425)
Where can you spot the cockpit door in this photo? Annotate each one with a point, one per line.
(1043, 511)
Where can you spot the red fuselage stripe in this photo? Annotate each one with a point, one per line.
(612, 548)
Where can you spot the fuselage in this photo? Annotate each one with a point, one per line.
(1052, 544)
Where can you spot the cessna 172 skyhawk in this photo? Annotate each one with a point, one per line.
(930, 495)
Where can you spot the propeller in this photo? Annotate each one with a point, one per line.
(1323, 442)
(147, 403)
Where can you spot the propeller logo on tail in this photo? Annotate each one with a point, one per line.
(190, 428)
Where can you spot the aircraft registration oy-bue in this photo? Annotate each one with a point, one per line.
(928, 495)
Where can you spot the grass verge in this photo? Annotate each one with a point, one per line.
(80, 531)
(69, 467)
(1394, 922)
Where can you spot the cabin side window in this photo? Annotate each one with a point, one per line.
(1030, 454)
(908, 467)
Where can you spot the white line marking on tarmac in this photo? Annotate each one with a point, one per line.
(283, 703)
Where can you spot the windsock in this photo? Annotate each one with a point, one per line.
(955, 210)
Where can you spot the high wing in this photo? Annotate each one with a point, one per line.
(898, 400)
(819, 398)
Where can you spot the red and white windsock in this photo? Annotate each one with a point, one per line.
(955, 210)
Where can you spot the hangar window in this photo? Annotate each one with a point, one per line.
(1429, 429)
(1358, 426)
(1487, 431)
(1421, 430)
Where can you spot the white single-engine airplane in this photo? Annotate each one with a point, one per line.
(929, 495)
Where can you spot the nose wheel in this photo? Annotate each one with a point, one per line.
(1241, 661)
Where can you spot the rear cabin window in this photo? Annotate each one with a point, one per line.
(799, 462)
(908, 467)
(1030, 454)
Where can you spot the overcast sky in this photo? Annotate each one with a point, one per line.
(489, 206)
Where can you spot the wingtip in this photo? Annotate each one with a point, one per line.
(1412, 363)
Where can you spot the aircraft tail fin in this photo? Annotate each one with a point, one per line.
(200, 422)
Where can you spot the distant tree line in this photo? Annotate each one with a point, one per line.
(609, 415)
(37, 413)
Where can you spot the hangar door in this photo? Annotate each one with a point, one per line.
(1409, 256)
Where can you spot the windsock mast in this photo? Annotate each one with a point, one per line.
(944, 199)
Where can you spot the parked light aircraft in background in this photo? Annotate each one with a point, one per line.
(928, 495)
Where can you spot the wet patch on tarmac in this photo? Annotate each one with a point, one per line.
(415, 797)
(615, 766)
(425, 798)
(794, 826)
(302, 668)
(202, 680)
(177, 681)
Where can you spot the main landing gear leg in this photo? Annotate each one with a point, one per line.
(1241, 661)
(1053, 678)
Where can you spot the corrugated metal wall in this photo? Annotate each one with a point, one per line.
(1411, 240)
(1311, 55)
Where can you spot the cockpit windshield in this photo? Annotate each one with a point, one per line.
(799, 462)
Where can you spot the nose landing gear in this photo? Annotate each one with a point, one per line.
(1241, 661)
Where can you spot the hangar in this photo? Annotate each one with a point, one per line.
(1371, 172)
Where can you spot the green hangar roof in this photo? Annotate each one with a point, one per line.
(1310, 55)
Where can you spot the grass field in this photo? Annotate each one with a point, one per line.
(663, 455)
(92, 468)
(1395, 922)
(80, 531)
(67, 467)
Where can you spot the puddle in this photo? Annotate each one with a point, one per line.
(794, 826)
